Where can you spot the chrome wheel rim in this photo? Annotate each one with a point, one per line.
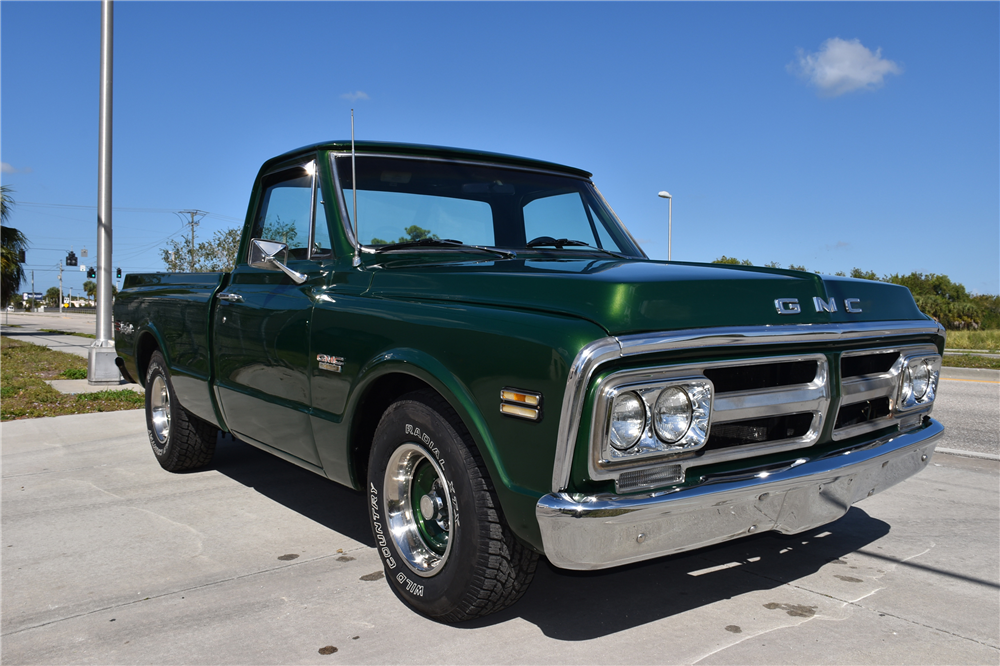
(159, 408)
(418, 509)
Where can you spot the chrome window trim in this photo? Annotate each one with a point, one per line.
(599, 352)
(811, 397)
(338, 189)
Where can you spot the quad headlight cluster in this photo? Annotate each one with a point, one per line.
(656, 419)
(918, 383)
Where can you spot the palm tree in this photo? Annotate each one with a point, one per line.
(12, 246)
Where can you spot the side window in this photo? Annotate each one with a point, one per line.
(286, 211)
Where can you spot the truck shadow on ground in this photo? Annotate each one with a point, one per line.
(574, 606)
(330, 504)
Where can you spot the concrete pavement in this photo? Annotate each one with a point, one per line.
(106, 558)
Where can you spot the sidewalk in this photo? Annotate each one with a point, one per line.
(31, 327)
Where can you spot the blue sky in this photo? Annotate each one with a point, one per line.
(830, 135)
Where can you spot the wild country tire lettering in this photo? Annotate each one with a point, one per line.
(411, 587)
(379, 535)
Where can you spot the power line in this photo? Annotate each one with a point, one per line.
(123, 209)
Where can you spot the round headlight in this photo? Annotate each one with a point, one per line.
(906, 391)
(672, 414)
(920, 375)
(628, 420)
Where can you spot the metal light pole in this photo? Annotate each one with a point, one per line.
(101, 368)
(670, 221)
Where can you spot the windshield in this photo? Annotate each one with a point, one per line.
(403, 200)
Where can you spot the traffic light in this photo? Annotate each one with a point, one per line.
(118, 273)
(91, 272)
(71, 259)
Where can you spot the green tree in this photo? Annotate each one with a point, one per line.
(864, 275)
(90, 289)
(793, 267)
(12, 244)
(215, 255)
(732, 261)
(413, 233)
(946, 301)
(989, 306)
(51, 297)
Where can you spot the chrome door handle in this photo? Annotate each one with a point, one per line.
(232, 298)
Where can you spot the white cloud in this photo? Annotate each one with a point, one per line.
(355, 96)
(7, 168)
(842, 66)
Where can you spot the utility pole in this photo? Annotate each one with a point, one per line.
(60, 288)
(101, 368)
(193, 223)
(32, 291)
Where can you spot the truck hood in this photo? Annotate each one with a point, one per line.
(636, 296)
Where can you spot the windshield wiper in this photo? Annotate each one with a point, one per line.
(560, 243)
(443, 243)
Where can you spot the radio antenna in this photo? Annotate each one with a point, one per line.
(354, 193)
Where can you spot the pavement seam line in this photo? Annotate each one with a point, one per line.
(968, 454)
(171, 593)
(887, 614)
(854, 604)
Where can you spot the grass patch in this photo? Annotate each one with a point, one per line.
(56, 331)
(24, 367)
(985, 340)
(73, 373)
(970, 361)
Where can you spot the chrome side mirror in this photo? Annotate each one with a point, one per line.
(263, 253)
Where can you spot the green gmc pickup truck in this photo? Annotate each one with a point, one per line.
(477, 343)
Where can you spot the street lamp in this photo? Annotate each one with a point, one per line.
(670, 222)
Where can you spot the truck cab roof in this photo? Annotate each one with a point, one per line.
(423, 150)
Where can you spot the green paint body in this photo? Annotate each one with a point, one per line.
(466, 325)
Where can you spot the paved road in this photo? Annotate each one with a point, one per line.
(968, 404)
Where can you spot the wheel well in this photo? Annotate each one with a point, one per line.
(143, 350)
(383, 392)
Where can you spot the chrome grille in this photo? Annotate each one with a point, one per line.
(762, 406)
(869, 386)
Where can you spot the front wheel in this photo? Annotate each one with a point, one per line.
(445, 546)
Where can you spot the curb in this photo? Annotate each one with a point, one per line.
(78, 386)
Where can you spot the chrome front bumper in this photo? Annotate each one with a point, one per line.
(600, 531)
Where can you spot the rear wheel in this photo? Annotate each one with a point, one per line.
(445, 546)
(179, 439)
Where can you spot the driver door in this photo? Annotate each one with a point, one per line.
(263, 318)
